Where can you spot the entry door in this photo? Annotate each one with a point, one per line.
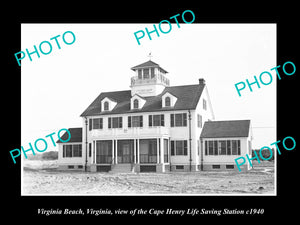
(126, 154)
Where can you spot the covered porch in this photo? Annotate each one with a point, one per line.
(136, 152)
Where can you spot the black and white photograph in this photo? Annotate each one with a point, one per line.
(144, 111)
(163, 117)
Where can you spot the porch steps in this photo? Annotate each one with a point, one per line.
(121, 168)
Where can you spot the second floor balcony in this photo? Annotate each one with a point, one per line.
(153, 79)
(131, 132)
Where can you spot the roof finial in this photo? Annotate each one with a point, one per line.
(150, 56)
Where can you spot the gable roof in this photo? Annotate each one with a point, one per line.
(228, 128)
(76, 135)
(187, 98)
(147, 64)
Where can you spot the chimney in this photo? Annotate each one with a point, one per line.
(201, 81)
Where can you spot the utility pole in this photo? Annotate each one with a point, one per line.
(86, 144)
(190, 139)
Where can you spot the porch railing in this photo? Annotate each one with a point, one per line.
(145, 158)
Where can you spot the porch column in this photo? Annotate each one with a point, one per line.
(138, 151)
(162, 150)
(157, 151)
(92, 151)
(116, 152)
(134, 151)
(95, 151)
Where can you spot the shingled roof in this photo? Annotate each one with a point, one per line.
(147, 65)
(229, 128)
(76, 135)
(187, 98)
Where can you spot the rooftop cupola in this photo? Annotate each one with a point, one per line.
(149, 79)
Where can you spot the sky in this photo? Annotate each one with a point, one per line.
(58, 87)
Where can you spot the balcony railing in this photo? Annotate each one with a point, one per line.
(131, 132)
(157, 79)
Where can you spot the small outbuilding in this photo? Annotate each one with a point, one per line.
(224, 141)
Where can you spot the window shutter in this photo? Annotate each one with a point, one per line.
(184, 147)
(150, 120)
(172, 148)
(206, 148)
(101, 123)
(90, 124)
(109, 122)
(129, 121)
(64, 151)
(184, 120)
(172, 120)
(141, 121)
(120, 122)
(162, 120)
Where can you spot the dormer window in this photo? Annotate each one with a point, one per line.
(167, 101)
(106, 106)
(136, 104)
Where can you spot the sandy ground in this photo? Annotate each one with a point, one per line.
(41, 177)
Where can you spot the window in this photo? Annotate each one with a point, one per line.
(70, 167)
(229, 166)
(140, 74)
(80, 167)
(135, 121)
(211, 148)
(77, 152)
(146, 73)
(135, 104)
(216, 166)
(204, 104)
(223, 147)
(234, 147)
(216, 149)
(199, 120)
(115, 122)
(106, 106)
(98, 123)
(178, 120)
(70, 151)
(67, 151)
(152, 73)
(181, 167)
(167, 101)
(156, 120)
(228, 147)
(179, 147)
